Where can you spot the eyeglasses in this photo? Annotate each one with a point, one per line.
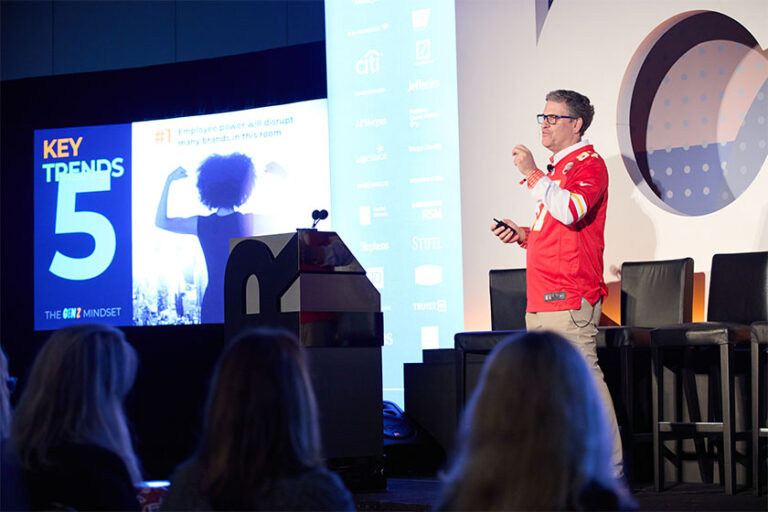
(551, 118)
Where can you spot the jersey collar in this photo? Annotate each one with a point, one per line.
(567, 151)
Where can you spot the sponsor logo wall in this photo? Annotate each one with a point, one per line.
(394, 154)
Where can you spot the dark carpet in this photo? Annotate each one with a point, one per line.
(419, 494)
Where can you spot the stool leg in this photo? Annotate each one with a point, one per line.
(694, 414)
(726, 390)
(657, 381)
(754, 356)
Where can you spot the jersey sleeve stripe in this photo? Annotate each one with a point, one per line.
(581, 205)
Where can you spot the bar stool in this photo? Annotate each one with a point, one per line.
(653, 294)
(507, 289)
(738, 296)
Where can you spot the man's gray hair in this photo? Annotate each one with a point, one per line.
(578, 106)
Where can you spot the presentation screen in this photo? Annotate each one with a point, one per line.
(133, 221)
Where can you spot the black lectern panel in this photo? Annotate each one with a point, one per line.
(310, 283)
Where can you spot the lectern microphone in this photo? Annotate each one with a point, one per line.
(318, 215)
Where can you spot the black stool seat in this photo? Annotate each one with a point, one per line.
(620, 336)
(701, 333)
(480, 342)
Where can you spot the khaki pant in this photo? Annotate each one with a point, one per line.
(579, 326)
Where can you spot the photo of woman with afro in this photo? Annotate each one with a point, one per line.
(224, 182)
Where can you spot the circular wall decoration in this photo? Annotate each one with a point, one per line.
(693, 123)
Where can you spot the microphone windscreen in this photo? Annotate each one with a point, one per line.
(550, 167)
(315, 214)
(323, 214)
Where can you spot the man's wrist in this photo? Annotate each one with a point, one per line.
(532, 178)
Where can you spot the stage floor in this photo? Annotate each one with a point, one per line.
(419, 494)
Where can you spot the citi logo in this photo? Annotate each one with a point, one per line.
(369, 64)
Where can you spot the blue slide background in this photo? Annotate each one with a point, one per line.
(112, 288)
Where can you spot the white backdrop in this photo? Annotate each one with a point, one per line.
(503, 75)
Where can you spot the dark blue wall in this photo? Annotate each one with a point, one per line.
(52, 37)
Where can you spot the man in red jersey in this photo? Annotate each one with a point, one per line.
(565, 243)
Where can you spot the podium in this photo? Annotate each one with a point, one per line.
(310, 283)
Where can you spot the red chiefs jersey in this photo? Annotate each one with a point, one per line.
(566, 242)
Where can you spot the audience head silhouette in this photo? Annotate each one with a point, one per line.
(534, 435)
(261, 422)
(75, 395)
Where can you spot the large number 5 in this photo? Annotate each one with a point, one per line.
(70, 221)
